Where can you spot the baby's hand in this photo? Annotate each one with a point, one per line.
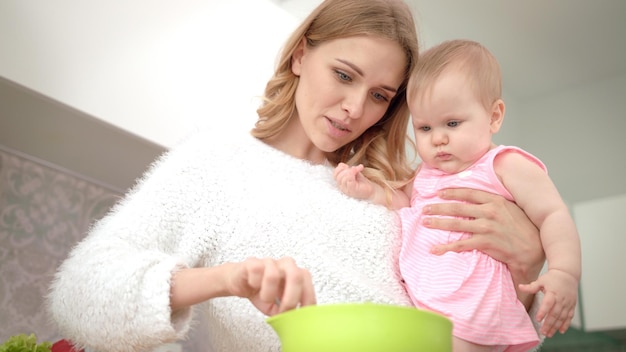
(351, 181)
(559, 302)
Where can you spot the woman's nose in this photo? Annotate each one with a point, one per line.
(354, 105)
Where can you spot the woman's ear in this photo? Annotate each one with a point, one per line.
(497, 115)
(296, 57)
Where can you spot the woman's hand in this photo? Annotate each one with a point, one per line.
(272, 285)
(501, 229)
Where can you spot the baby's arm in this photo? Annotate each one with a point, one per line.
(537, 195)
(353, 183)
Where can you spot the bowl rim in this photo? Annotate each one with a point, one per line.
(357, 304)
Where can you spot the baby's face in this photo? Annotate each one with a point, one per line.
(452, 127)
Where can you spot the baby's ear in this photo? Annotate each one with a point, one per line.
(497, 115)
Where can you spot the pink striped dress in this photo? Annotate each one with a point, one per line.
(474, 290)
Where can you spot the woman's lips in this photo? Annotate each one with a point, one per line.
(336, 128)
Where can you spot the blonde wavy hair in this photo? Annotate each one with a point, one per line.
(381, 148)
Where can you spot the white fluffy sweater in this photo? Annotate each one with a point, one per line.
(209, 201)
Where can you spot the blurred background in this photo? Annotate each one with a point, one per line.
(92, 92)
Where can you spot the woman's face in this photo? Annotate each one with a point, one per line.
(345, 87)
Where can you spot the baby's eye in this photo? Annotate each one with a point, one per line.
(424, 128)
(453, 123)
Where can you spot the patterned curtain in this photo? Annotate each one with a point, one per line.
(44, 211)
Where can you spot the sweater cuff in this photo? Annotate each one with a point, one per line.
(181, 319)
(537, 324)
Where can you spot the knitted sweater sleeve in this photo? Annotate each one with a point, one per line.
(112, 292)
(537, 324)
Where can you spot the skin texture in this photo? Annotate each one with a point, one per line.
(452, 127)
(357, 88)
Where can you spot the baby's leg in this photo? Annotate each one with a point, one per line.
(460, 345)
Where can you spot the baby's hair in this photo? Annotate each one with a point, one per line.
(479, 64)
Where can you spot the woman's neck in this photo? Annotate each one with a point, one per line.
(293, 141)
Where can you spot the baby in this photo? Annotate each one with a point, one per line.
(456, 106)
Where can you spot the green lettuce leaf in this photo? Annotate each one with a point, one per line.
(24, 343)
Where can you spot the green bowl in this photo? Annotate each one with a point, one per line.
(362, 327)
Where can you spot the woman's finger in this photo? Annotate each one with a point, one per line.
(253, 273)
(461, 210)
(457, 246)
(474, 226)
(273, 281)
(291, 286)
(308, 291)
(469, 195)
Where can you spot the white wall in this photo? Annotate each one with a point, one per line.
(154, 69)
(580, 135)
(603, 285)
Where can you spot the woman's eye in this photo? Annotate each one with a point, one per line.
(343, 76)
(380, 97)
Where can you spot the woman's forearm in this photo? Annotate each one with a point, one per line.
(191, 286)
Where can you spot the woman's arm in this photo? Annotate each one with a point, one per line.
(501, 230)
(272, 285)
